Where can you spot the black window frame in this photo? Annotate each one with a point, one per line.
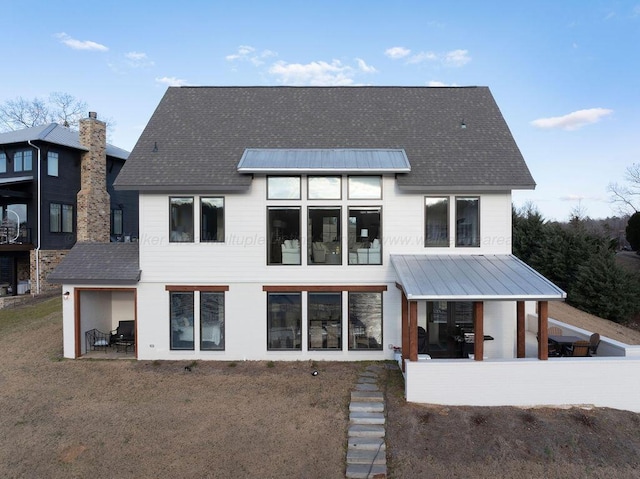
(220, 231)
(186, 236)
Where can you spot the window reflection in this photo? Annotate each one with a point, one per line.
(283, 187)
(365, 187)
(324, 187)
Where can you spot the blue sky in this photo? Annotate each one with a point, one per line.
(566, 74)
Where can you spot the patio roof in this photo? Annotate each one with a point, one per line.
(99, 263)
(472, 278)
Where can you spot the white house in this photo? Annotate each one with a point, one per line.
(308, 223)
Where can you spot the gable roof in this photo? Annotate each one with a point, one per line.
(197, 135)
(99, 263)
(57, 135)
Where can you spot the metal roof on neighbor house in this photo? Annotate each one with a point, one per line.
(98, 263)
(58, 135)
(260, 160)
(455, 138)
(471, 278)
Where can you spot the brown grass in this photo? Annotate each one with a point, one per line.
(129, 419)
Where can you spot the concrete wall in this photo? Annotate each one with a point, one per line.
(602, 382)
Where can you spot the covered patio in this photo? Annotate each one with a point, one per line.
(509, 301)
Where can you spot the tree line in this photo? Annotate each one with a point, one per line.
(581, 260)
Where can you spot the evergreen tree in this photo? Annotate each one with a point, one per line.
(633, 231)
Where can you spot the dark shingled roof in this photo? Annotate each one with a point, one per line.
(197, 135)
(99, 263)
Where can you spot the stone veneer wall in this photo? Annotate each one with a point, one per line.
(94, 206)
(49, 259)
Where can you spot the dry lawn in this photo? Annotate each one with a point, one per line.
(130, 419)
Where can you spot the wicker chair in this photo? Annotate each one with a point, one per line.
(579, 349)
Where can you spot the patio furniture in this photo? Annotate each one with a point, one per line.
(594, 342)
(555, 331)
(96, 340)
(564, 343)
(125, 332)
(579, 349)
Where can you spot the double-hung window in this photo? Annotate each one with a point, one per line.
(3, 163)
(23, 160)
(52, 163)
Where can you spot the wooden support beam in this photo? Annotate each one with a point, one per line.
(520, 330)
(405, 329)
(478, 328)
(413, 330)
(543, 330)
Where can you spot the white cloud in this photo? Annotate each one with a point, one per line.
(318, 73)
(248, 53)
(138, 59)
(172, 81)
(457, 58)
(397, 52)
(453, 58)
(78, 44)
(574, 120)
(364, 67)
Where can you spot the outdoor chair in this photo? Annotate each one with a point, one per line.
(96, 340)
(554, 331)
(125, 332)
(579, 349)
(594, 342)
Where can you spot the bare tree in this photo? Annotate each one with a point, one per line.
(67, 110)
(627, 196)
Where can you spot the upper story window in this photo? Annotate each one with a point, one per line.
(181, 219)
(283, 230)
(365, 235)
(365, 187)
(60, 218)
(211, 219)
(3, 163)
(436, 221)
(22, 161)
(324, 233)
(324, 187)
(283, 187)
(52, 163)
(116, 222)
(468, 221)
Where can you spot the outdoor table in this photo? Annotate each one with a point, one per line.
(563, 342)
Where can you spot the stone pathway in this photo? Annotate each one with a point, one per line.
(366, 451)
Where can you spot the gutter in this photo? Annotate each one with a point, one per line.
(39, 208)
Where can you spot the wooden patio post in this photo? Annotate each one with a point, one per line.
(413, 330)
(520, 330)
(543, 330)
(478, 327)
(405, 329)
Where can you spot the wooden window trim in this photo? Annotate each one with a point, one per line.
(324, 289)
(190, 288)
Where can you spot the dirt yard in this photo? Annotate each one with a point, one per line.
(128, 419)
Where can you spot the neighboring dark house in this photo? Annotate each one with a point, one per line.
(56, 188)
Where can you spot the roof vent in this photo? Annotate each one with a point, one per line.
(93, 115)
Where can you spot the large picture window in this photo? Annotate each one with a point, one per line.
(365, 235)
(365, 321)
(212, 219)
(324, 233)
(283, 225)
(468, 222)
(211, 321)
(181, 319)
(181, 220)
(325, 320)
(284, 321)
(436, 221)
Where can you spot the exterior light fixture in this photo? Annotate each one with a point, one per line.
(66, 295)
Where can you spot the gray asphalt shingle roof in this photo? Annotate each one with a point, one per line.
(197, 135)
(58, 135)
(471, 278)
(99, 263)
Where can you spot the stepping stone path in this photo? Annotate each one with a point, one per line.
(366, 451)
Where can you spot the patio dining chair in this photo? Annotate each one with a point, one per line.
(594, 342)
(555, 331)
(579, 349)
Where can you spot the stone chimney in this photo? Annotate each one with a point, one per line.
(94, 205)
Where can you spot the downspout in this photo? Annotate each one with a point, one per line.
(38, 206)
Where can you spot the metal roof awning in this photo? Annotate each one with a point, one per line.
(472, 278)
(267, 160)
